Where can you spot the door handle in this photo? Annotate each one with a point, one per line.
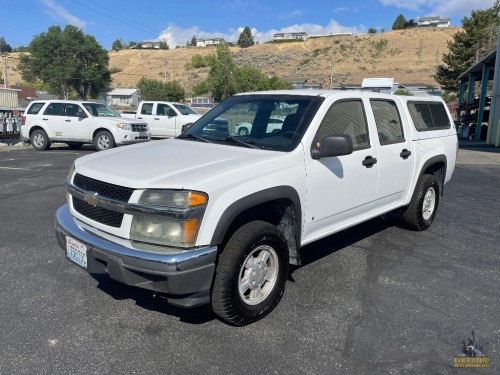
(157, 118)
(67, 120)
(139, 118)
(44, 119)
(405, 153)
(369, 161)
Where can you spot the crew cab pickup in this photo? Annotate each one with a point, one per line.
(217, 218)
(79, 122)
(165, 119)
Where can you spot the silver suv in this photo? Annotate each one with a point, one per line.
(76, 123)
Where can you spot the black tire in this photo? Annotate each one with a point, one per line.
(420, 213)
(39, 140)
(243, 132)
(74, 145)
(104, 141)
(262, 283)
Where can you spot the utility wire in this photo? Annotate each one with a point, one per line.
(134, 26)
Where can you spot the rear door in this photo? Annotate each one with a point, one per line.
(146, 114)
(76, 124)
(395, 157)
(52, 117)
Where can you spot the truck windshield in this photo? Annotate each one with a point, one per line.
(100, 110)
(265, 121)
(185, 110)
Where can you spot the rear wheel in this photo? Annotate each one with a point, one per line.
(243, 131)
(420, 213)
(39, 140)
(104, 141)
(251, 274)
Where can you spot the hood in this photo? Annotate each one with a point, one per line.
(171, 163)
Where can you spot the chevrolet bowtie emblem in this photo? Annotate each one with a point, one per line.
(91, 199)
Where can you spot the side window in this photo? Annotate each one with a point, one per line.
(346, 117)
(429, 116)
(72, 110)
(53, 109)
(388, 121)
(161, 109)
(35, 108)
(147, 109)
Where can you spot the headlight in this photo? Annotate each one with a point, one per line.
(123, 125)
(169, 230)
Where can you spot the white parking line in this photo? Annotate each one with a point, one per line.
(22, 169)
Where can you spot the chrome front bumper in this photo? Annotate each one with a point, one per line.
(184, 277)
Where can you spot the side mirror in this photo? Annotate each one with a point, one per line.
(81, 114)
(332, 145)
(171, 113)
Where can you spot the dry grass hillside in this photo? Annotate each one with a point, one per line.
(409, 56)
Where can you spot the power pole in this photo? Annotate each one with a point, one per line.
(331, 74)
(5, 79)
(165, 70)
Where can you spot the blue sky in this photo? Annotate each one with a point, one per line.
(177, 21)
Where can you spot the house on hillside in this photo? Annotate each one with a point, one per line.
(296, 82)
(201, 102)
(210, 42)
(121, 97)
(312, 86)
(290, 36)
(147, 44)
(433, 22)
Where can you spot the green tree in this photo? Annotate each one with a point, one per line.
(193, 41)
(399, 23)
(152, 89)
(163, 45)
(372, 30)
(222, 77)
(402, 92)
(67, 61)
(4, 46)
(478, 36)
(117, 45)
(410, 23)
(246, 38)
(198, 61)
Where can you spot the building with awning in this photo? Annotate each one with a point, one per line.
(475, 107)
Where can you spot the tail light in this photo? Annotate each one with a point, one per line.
(23, 120)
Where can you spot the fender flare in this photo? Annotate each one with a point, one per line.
(441, 158)
(252, 200)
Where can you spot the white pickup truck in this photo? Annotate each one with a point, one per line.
(165, 119)
(217, 218)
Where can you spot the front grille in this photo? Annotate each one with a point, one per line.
(99, 214)
(139, 127)
(103, 188)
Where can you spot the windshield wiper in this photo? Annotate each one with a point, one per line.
(197, 137)
(250, 144)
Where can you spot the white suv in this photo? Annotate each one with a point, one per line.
(76, 123)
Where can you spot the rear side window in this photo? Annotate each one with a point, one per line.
(53, 109)
(346, 117)
(429, 116)
(35, 108)
(388, 122)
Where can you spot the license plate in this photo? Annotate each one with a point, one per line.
(143, 134)
(76, 252)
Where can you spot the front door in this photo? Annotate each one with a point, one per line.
(166, 117)
(341, 190)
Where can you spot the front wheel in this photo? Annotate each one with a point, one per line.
(104, 141)
(420, 213)
(39, 140)
(251, 274)
(243, 132)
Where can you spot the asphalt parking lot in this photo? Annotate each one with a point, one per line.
(374, 299)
